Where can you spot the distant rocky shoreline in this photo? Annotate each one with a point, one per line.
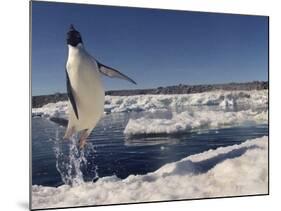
(39, 101)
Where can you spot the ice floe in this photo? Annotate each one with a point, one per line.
(189, 121)
(226, 171)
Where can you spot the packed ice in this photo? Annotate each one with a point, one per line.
(180, 113)
(223, 99)
(58, 109)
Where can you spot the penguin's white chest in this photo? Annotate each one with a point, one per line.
(87, 90)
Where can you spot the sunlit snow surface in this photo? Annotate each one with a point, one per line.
(228, 171)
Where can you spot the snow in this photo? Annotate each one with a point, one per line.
(226, 171)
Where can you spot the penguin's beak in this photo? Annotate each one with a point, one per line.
(71, 28)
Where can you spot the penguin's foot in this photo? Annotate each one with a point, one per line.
(82, 143)
(68, 133)
(83, 139)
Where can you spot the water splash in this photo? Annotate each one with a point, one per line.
(72, 163)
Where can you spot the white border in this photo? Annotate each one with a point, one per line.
(14, 89)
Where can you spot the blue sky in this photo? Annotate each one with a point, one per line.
(154, 47)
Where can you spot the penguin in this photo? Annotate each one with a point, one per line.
(84, 88)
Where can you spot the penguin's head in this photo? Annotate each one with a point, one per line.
(73, 37)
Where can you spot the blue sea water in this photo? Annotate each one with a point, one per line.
(109, 152)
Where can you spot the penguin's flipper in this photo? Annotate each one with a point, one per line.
(113, 73)
(71, 96)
